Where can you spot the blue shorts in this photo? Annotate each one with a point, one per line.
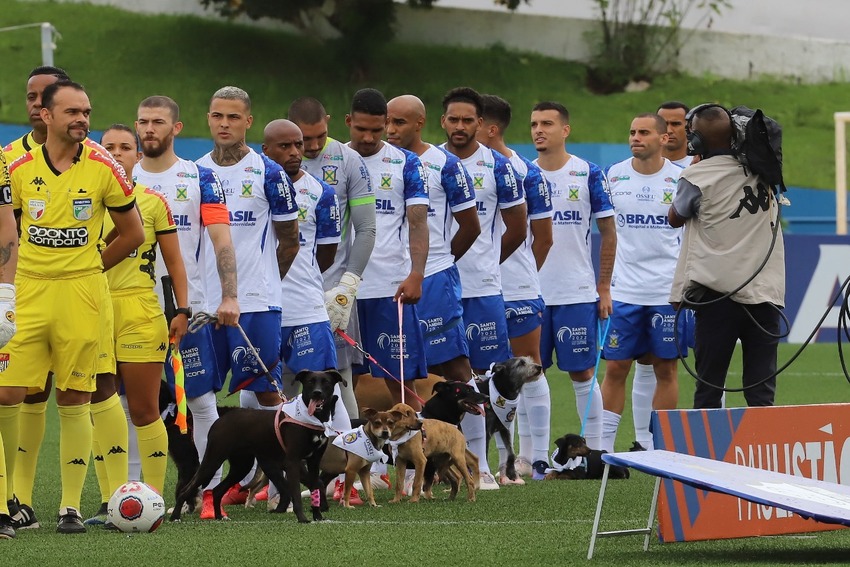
(308, 347)
(637, 330)
(570, 331)
(263, 330)
(690, 327)
(524, 316)
(486, 330)
(379, 329)
(200, 366)
(441, 317)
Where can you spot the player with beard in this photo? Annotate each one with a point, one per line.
(521, 289)
(643, 322)
(576, 298)
(342, 168)
(497, 195)
(198, 204)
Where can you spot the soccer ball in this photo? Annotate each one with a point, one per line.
(136, 507)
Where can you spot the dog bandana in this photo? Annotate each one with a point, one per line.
(356, 441)
(394, 443)
(571, 464)
(504, 408)
(296, 409)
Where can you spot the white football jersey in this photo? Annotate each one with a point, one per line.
(519, 270)
(258, 192)
(449, 192)
(399, 182)
(318, 223)
(579, 193)
(495, 186)
(647, 246)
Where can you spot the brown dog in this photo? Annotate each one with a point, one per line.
(353, 452)
(439, 441)
(373, 393)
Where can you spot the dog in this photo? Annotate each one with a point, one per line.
(437, 441)
(572, 446)
(451, 401)
(278, 444)
(502, 385)
(353, 453)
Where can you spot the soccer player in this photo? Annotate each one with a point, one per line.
(67, 185)
(8, 263)
(307, 342)
(396, 268)
(643, 323)
(521, 289)
(343, 169)
(34, 411)
(576, 299)
(198, 205)
(141, 332)
(676, 149)
(497, 194)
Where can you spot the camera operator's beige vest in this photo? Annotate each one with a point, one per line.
(729, 237)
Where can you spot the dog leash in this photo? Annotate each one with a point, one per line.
(203, 318)
(604, 336)
(356, 346)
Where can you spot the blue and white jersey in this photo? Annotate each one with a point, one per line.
(519, 271)
(343, 169)
(647, 246)
(196, 199)
(579, 193)
(258, 192)
(449, 191)
(683, 162)
(318, 223)
(496, 188)
(399, 182)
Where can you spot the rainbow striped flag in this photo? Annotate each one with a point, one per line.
(179, 388)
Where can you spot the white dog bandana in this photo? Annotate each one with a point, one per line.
(394, 443)
(504, 408)
(296, 409)
(570, 465)
(356, 441)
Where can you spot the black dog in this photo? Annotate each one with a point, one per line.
(507, 380)
(571, 446)
(242, 435)
(451, 400)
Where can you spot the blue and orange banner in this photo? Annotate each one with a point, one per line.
(811, 441)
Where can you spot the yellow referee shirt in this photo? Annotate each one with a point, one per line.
(19, 147)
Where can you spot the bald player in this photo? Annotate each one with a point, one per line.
(451, 211)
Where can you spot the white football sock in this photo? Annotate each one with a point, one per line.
(643, 390)
(134, 459)
(474, 428)
(589, 392)
(610, 423)
(204, 414)
(248, 399)
(538, 405)
(347, 393)
(341, 420)
(503, 451)
(523, 430)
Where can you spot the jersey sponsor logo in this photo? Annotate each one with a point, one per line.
(575, 173)
(58, 237)
(670, 180)
(331, 157)
(386, 181)
(182, 221)
(187, 174)
(329, 174)
(182, 192)
(37, 181)
(384, 206)
(36, 208)
(243, 218)
(478, 181)
(632, 219)
(393, 161)
(253, 170)
(479, 205)
(566, 216)
(617, 178)
(482, 163)
(247, 188)
(82, 209)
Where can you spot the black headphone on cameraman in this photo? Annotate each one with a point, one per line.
(696, 144)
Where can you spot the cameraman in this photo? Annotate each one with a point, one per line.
(730, 215)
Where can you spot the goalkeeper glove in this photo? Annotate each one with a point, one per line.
(7, 313)
(340, 300)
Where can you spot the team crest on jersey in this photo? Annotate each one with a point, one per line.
(82, 209)
(478, 181)
(386, 181)
(302, 213)
(37, 208)
(329, 174)
(573, 192)
(182, 192)
(667, 198)
(247, 188)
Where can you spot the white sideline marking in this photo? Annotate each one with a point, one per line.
(445, 522)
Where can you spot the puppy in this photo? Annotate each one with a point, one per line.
(572, 446)
(353, 453)
(242, 435)
(439, 442)
(503, 385)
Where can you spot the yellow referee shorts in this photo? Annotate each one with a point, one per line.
(59, 329)
(141, 333)
(106, 341)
